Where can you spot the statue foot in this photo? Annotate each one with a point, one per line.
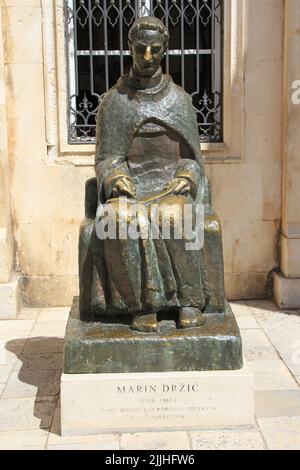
(145, 323)
(190, 317)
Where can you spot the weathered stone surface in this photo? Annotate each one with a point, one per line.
(9, 299)
(286, 292)
(96, 347)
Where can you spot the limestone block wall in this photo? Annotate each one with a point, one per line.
(247, 196)
(46, 193)
(287, 283)
(46, 198)
(9, 284)
(5, 226)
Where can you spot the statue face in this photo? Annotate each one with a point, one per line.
(147, 52)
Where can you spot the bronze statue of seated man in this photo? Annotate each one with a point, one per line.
(148, 151)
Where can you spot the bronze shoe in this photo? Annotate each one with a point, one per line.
(145, 323)
(190, 317)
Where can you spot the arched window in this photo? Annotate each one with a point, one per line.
(98, 54)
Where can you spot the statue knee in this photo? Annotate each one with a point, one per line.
(117, 216)
(171, 211)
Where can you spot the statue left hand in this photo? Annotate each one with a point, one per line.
(179, 186)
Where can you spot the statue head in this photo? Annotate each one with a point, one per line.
(148, 41)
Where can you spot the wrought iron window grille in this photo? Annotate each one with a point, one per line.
(96, 36)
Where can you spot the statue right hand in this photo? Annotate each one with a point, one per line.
(124, 187)
(178, 186)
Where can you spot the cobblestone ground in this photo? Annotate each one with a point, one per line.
(31, 363)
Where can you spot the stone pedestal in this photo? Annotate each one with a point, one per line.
(116, 379)
(97, 403)
(99, 347)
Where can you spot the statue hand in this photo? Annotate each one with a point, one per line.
(124, 187)
(179, 186)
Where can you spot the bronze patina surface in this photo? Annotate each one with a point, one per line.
(98, 347)
(148, 151)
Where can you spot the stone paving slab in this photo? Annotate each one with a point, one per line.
(283, 330)
(54, 314)
(256, 346)
(32, 383)
(42, 361)
(244, 316)
(7, 325)
(30, 366)
(40, 345)
(155, 441)
(10, 350)
(102, 441)
(29, 313)
(281, 433)
(23, 440)
(48, 329)
(26, 413)
(243, 439)
(271, 374)
(5, 373)
(270, 403)
(11, 334)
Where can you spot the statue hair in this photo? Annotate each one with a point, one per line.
(149, 22)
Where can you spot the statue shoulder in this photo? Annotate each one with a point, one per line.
(113, 100)
(182, 95)
(108, 100)
(183, 102)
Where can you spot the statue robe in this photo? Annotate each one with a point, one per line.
(146, 275)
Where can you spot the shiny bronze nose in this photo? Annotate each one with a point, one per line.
(148, 55)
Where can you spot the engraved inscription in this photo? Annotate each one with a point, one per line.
(173, 388)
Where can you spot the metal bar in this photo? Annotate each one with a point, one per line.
(212, 45)
(217, 64)
(167, 26)
(105, 45)
(197, 48)
(71, 33)
(121, 37)
(127, 52)
(217, 51)
(182, 42)
(151, 8)
(91, 47)
(75, 44)
(83, 125)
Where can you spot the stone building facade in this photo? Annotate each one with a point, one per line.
(254, 174)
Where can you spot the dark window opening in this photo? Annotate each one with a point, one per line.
(97, 32)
